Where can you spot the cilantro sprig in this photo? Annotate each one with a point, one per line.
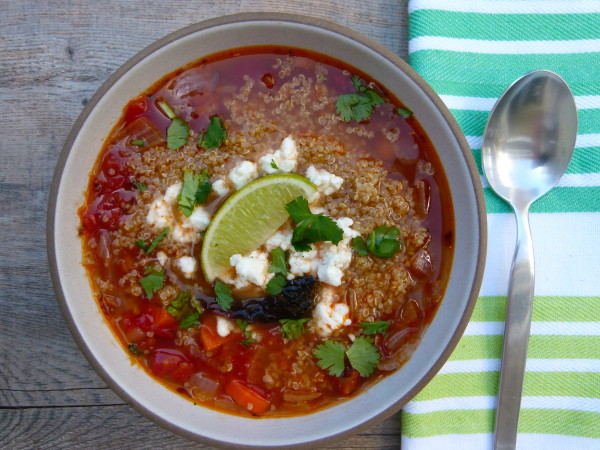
(243, 325)
(195, 190)
(177, 133)
(359, 105)
(382, 242)
(223, 295)
(292, 328)
(154, 281)
(279, 267)
(362, 355)
(215, 134)
(370, 328)
(157, 240)
(311, 228)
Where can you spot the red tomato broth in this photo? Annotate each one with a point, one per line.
(223, 371)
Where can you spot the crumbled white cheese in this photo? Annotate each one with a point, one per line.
(185, 229)
(252, 268)
(334, 260)
(326, 182)
(225, 326)
(220, 187)
(162, 258)
(199, 219)
(303, 263)
(345, 223)
(286, 158)
(330, 315)
(326, 260)
(187, 265)
(281, 239)
(243, 173)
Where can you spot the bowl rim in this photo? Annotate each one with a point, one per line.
(467, 155)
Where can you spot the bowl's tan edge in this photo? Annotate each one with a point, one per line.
(318, 23)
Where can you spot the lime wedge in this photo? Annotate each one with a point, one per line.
(248, 218)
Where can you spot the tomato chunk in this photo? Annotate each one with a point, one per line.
(170, 363)
(211, 340)
(247, 397)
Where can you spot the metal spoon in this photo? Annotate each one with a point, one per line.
(527, 146)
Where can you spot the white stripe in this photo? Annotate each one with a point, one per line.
(567, 180)
(450, 404)
(489, 402)
(487, 103)
(509, 6)
(484, 441)
(537, 329)
(563, 265)
(582, 141)
(533, 365)
(463, 45)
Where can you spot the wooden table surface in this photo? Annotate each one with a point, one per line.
(53, 56)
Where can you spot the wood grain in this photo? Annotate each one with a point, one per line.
(53, 56)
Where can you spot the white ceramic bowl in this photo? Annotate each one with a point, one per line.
(83, 314)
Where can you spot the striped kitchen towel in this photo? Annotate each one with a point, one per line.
(470, 52)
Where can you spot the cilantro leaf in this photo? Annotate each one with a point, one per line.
(153, 282)
(278, 262)
(331, 356)
(360, 246)
(134, 349)
(138, 142)
(292, 329)
(363, 355)
(247, 342)
(174, 308)
(358, 106)
(140, 186)
(274, 165)
(166, 109)
(383, 242)
(276, 284)
(375, 327)
(311, 227)
(404, 112)
(223, 295)
(214, 135)
(243, 325)
(204, 187)
(157, 240)
(177, 133)
(190, 320)
(195, 189)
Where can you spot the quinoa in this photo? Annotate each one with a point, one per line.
(372, 195)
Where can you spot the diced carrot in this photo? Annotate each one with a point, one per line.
(211, 340)
(247, 397)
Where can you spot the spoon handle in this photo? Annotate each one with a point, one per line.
(516, 335)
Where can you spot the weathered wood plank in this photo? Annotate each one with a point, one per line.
(54, 54)
(119, 426)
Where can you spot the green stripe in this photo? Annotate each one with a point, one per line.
(545, 309)
(559, 199)
(584, 160)
(481, 384)
(473, 123)
(544, 421)
(540, 347)
(476, 74)
(510, 27)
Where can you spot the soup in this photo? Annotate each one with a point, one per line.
(267, 231)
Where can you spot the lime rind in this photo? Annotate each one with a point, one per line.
(248, 218)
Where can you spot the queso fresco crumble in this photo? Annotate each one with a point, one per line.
(325, 303)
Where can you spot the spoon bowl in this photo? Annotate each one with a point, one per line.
(529, 138)
(527, 146)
